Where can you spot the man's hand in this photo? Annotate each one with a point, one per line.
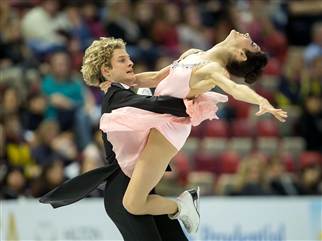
(105, 86)
(265, 107)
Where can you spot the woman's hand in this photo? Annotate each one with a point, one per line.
(265, 106)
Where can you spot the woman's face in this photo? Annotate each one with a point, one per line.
(122, 68)
(242, 41)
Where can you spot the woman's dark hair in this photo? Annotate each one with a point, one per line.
(250, 69)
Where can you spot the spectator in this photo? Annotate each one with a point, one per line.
(120, 23)
(165, 31)
(89, 13)
(311, 180)
(66, 99)
(314, 49)
(289, 87)
(7, 14)
(250, 177)
(147, 52)
(12, 48)
(14, 184)
(91, 160)
(43, 152)
(2, 146)
(17, 150)
(41, 26)
(10, 102)
(191, 31)
(144, 16)
(312, 82)
(34, 112)
(279, 182)
(52, 176)
(10, 39)
(77, 28)
(310, 123)
(98, 142)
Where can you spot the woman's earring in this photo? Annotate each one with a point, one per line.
(243, 56)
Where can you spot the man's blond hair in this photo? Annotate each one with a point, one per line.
(99, 54)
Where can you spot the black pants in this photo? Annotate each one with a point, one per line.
(137, 227)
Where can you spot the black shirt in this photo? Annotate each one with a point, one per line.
(116, 97)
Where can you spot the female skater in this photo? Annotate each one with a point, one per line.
(145, 142)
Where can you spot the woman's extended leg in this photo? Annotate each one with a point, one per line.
(148, 171)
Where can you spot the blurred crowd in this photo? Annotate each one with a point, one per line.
(49, 117)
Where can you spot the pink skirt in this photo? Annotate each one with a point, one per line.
(128, 128)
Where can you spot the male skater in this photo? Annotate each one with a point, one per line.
(132, 227)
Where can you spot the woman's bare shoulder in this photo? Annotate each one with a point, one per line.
(210, 68)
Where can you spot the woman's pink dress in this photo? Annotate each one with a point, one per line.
(128, 128)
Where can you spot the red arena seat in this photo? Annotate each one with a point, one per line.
(216, 128)
(229, 162)
(267, 128)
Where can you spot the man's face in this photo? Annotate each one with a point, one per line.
(122, 68)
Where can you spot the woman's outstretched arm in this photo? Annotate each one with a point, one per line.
(246, 94)
(213, 74)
